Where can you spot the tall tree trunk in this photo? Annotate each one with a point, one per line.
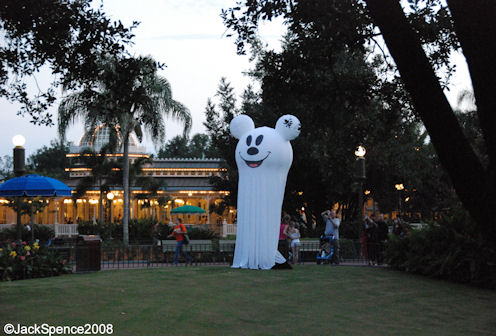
(18, 219)
(125, 185)
(74, 211)
(455, 153)
(475, 29)
(100, 209)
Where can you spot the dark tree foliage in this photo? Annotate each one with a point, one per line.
(420, 38)
(102, 175)
(131, 97)
(177, 147)
(182, 146)
(6, 167)
(473, 24)
(218, 118)
(140, 181)
(50, 161)
(320, 77)
(67, 37)
(326, 77)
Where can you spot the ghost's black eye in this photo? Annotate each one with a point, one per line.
(248, 140)
(259, 140)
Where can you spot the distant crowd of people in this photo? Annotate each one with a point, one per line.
(375, 234)
(289, 236)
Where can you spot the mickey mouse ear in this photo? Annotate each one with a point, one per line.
(241, 125)
(288, 127)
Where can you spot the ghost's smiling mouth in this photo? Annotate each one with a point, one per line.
(254, 164)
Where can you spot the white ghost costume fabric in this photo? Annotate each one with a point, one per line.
(263, 156)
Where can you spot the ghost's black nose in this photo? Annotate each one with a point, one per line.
(252, 151)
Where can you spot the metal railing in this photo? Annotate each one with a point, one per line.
(6, 226)
(60, 230)
(67, 230)
(203, 252)
(228, 229)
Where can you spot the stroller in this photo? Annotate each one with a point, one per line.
(326, 249)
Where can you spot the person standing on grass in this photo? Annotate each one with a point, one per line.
(283, 236)
(155, 234)
(382, 237)
(178, 232)
(332, 229)
(294, 235)
(371, 234)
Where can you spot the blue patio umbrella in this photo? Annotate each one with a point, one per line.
(34, 186)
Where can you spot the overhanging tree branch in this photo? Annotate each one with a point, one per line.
(475, 28)
(454, 151)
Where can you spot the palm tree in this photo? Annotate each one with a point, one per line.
(149, 185)
(130, 96)
(102, 175)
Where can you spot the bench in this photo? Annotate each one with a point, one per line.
(309, 245)
(168, 245)
(199, 246)
(193, 246)
(226, 245)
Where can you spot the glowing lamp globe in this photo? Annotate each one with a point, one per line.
(360, 151)
(19, 140)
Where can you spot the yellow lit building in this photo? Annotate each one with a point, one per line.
(186, 181)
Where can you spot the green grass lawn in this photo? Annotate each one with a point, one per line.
(309, 300)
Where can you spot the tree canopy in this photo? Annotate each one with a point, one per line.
(129, 95)
(420, 38)
(67, 37)
(182, 146)
(50, 160)
(473, 24)
(327, 76)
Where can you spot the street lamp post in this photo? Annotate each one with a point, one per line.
(19, 155)
(399, 187)
(110, 197)
(360, 154)
(19, 170)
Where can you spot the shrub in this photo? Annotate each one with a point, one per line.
(349, 248)
(350, 229)
(201, 234)
(23, 261)
(8, 234)
(140, 230)
(88, 228)
(41, 232)
(452, 249)
(163, 231)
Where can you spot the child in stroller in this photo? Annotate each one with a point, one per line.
(326, 249)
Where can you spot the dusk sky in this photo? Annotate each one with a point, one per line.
(189, 37)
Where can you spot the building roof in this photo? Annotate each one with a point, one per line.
(95, 138)
(171, 184)
(186, 163)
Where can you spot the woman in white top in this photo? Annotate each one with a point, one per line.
(294, 235)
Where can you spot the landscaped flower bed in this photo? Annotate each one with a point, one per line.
(24, 261)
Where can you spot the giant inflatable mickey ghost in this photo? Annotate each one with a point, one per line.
(263, 156)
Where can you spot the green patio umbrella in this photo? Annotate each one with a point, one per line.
(188, 209)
